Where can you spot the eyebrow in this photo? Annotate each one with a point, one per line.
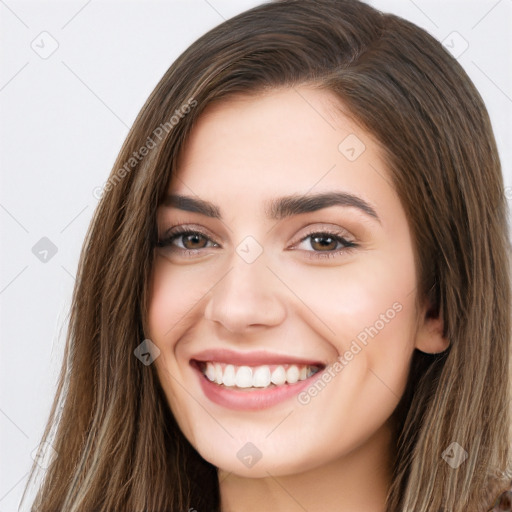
(277, 208)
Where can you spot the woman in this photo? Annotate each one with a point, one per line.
(217, 360)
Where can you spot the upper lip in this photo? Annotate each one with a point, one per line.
(253, 358)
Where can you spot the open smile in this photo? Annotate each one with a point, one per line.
(228, 382)
(262, 376)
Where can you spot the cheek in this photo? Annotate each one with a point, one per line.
(172, 302)
(373, 316)
(368, 308)
(365, 292)
(175, 294)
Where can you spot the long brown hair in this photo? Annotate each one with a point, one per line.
(118, 445)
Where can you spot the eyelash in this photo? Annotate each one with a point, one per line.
(180, 231)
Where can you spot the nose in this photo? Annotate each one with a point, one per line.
(248, 295)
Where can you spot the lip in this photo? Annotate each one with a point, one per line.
(253, 358)
(251, 399)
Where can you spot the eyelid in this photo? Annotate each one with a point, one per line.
(325, 229)
(307, 231)
(340, 235)
(178, 228)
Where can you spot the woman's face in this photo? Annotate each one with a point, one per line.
(285, 322)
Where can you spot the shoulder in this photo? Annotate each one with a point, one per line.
(503, 502)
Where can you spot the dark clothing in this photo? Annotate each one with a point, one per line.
(504, 502)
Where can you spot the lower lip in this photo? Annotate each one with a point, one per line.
(253, 399)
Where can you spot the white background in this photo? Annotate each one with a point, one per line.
(63, 120)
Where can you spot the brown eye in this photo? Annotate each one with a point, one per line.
(190, 239)
(194, 239)
(324, 242)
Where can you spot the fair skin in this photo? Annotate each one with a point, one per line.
(323, 450)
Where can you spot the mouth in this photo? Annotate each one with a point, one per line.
(252, 381)
(255, 377)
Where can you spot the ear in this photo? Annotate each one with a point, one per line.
(429, 336)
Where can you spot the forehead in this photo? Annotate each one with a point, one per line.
(280, 119)
(290, 141)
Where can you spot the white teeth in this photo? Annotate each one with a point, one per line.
(261, 377)
(257, 377)
(218, 373)
(228, 379)
(210, 372)
(278, 376)
(292, 374)
(243, 377)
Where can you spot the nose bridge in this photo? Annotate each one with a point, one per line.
(248, 294)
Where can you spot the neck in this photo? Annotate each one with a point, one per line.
(357, 481)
